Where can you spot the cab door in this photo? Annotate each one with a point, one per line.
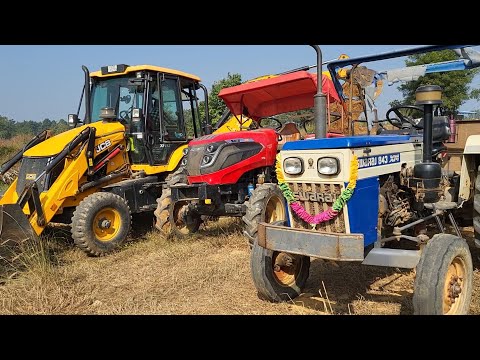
(165, 123)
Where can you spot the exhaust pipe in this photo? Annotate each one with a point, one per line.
(207, 128)
(320, 100)
(428, 172)
(87, 119)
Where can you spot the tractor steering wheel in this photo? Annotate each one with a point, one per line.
(401, 119)
(270, 123)
(125, 114)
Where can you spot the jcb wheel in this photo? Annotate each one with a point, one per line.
(171, 217)
(443, 282)
(476, 209)
(278, 276)
(101, 223)
(266, 204)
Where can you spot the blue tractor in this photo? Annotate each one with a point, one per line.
(384, 200)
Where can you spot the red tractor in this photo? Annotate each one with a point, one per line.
(227, 174)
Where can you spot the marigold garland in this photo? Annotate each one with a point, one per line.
(328, 214)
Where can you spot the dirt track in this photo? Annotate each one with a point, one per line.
(207, 274)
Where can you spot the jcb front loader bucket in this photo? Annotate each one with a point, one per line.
(15, 231)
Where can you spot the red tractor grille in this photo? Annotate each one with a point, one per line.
(194, 157)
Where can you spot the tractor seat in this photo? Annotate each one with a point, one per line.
(441, 130)
(289, 132)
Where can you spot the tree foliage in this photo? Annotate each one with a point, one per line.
(9, 128)
(455, 84)
(216, 106)
(6, 128)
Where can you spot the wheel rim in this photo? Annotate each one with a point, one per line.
(455, 287)
(275, 210)
(285, 268)
(106, 224)
(183, 221)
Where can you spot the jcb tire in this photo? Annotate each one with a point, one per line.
(101, 223)
(165, 212)
(476, 209)
(266, 204)
(283, 283)
(445, 272)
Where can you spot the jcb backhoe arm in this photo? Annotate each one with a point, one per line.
(24, 216)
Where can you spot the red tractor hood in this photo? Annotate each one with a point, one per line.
(259, 148)
(281, 94)
(230, 136)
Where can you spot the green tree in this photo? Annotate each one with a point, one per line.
(475, 94)
(455, 84)
(28, 127)
(7, 129)
(216, 106)
(48, 124)
(60, 127)
(10, 128)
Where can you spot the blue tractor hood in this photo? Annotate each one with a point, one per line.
(350, 142)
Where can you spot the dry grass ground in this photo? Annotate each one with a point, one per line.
(8, 148)
(206, 274)
(11, 146)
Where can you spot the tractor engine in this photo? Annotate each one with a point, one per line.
(399, 201)
(394, 203)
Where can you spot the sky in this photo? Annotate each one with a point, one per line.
(46, 81)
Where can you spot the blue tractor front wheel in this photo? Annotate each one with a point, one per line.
(278, 276)
(444, 275)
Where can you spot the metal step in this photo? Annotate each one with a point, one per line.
(407, 259)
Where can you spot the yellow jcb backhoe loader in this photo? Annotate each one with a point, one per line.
(138, 121)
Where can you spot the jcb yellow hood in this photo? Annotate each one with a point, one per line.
(56, 143)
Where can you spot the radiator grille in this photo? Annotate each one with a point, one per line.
(194, 157)
(330, 192)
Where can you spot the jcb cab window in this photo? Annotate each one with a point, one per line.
(118, 93)
(172, 111)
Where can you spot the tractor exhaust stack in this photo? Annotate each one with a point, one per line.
(320, 101)
(428, 172)
(87, 119)
(428, 96)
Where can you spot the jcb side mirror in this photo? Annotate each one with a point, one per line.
(72, 120)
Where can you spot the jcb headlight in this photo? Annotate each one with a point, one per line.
(328, 166)
(293, 166)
